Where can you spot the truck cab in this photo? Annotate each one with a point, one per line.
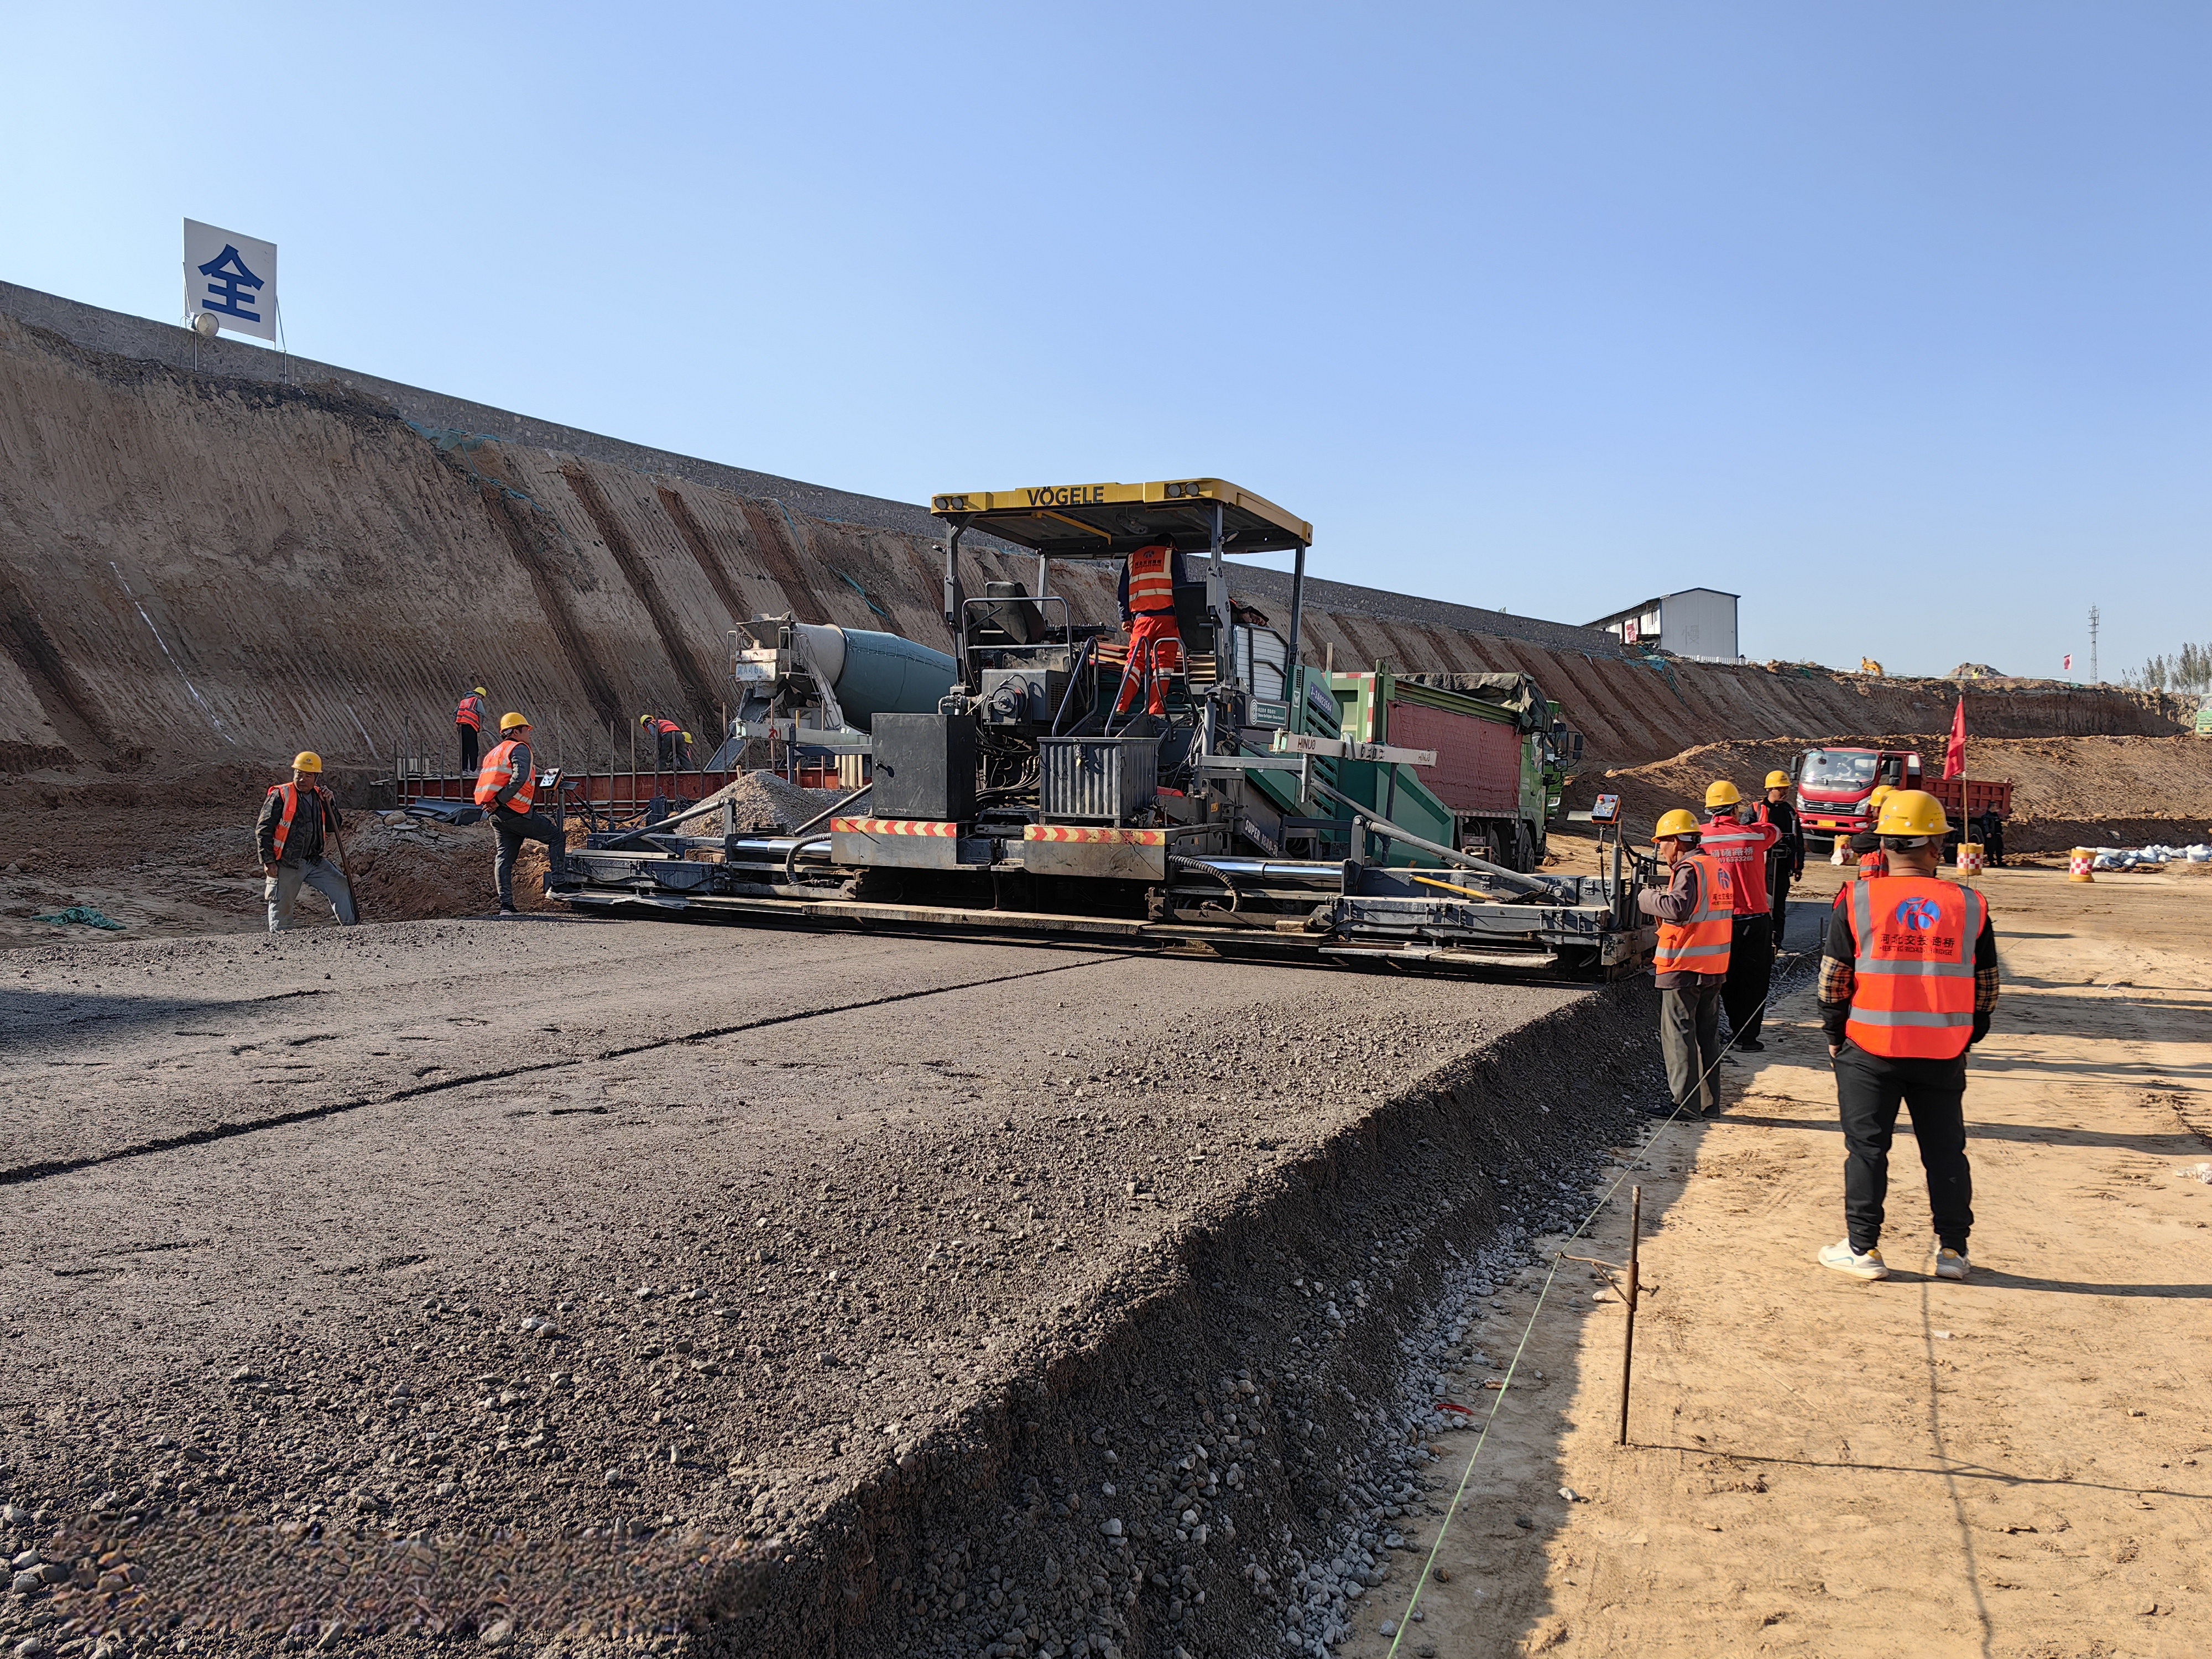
(1834, 784)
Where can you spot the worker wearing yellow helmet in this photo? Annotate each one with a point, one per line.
(1785, 861)
(1908, 983)
(507, 789)
(666, 734)
(1695, 912)
(290, 834)
(468, 725)
(1744, 849)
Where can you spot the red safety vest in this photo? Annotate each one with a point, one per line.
(1742, 847)
(1700, 946)
(470, 713)
(499, 768)
(1913, 995)
(666, 728)
(1151, 579)
(291, 794)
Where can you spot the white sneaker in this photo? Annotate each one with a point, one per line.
(1952, 1264)
(1844, 1260)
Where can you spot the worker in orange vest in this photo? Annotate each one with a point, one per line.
(294, 818)
(1744, 849)
(1150, 577)
(1786, 862)
(1866, 848)
(1908, 984)
(666, 732)
(507, 788)
(468, 725)
(1696, 913)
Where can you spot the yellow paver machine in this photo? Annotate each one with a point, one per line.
(1221, 796)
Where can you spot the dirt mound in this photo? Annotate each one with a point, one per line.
(2124, 791)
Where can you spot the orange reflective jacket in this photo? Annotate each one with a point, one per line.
(1151, 579)
(500, 768)
(1913, 995)
(1700, 946)
(470, 713)
(290, 792)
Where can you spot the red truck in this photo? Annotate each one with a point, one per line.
(1834, 785)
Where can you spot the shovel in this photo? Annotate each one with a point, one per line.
(352, 897)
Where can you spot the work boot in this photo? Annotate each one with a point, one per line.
(1752, 1046)
(1952, 1264)
(1844, 1260)
(506, 909)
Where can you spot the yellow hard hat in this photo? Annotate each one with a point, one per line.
(1778, 780)
(1680, 822)
(1910, 812)
(509, 722)
(1882, 792)
(645, 719)
(687, 737)
(307, 761)
(482, 692)
(1722, 793)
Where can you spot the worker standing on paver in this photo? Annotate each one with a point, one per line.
(507, 788)
(1908, 983)
(1695, 912)
(1150, 577)
(1785, 861)
(294, 818)
(665, 734)
(468, 725)
(1743, 848)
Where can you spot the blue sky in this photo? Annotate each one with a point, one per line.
(1892, 318)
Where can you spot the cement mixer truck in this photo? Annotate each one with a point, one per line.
(815, 685)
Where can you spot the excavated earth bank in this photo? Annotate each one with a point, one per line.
(605, 1284)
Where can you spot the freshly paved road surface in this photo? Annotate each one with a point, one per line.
(790, 1198)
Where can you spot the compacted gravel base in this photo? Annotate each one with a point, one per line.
(587, 1285)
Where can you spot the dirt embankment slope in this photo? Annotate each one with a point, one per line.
(200, 570)
(2097, 791)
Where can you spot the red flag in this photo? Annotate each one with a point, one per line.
(1954, 753)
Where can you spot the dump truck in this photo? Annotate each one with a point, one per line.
(1023, 803)
(1835, 787)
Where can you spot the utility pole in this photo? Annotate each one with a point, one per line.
(2094, 678)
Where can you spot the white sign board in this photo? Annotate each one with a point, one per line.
(231, 278)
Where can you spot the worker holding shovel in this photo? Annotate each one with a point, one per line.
(295, 819)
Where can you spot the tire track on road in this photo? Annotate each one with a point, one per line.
(23, 1173)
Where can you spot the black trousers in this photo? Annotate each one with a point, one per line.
(1869, 1090)
(468, 737)
(1777, 885)
(1751, 970)
(665, 753)
(1690, 1038)
(516, 828)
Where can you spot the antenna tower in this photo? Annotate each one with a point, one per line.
(2095, 679)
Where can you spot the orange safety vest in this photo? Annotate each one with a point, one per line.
(470, 713)
(666, 728)
(1872, 864)
(1700, 946)
(1913, 998)
(291, 794)
(1736, 845)
(1151, 579)
(499, 766)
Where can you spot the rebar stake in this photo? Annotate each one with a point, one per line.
(1628, 1336)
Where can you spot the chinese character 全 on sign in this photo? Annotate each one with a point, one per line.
(232, 277)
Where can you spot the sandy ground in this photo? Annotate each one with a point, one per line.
(2019, 1465)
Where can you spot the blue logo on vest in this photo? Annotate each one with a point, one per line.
(1919, 914)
